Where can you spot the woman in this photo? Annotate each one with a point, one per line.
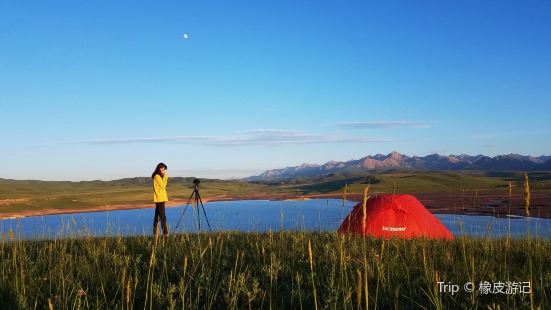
(160, 197)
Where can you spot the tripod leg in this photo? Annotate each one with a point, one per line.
(205, 213)
(182, 216)
(197, 206)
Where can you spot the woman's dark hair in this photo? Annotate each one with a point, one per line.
(158, 170)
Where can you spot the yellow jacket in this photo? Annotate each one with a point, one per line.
(159, 188)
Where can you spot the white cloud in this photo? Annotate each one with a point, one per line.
(384, 124)
(255, 137)
(219, 173)
(271, 131)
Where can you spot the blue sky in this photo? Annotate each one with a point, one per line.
(106, 89)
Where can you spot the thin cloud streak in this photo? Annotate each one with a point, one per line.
(256, 137)
(219, 173)
(384, 124)
(495, 135)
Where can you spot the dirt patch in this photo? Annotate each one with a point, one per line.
(492, 203)
(7, 202)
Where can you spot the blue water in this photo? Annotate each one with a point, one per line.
(248, 215)
(489, 226)
(244, 215)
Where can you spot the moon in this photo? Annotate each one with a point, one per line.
(186, 36)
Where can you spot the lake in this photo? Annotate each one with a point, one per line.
(249, 215)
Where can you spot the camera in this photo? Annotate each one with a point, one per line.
(196, 183)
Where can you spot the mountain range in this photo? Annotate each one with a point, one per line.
(397, 161)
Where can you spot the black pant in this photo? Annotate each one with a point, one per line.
(160, 213)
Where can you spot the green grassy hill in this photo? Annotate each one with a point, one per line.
(37, 195)
(415, 182)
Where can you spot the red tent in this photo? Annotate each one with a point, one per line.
(389, 216)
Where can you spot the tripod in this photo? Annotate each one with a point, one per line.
(197, 200)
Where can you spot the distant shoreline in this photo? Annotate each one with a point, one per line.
(132, 206)
(436, 203)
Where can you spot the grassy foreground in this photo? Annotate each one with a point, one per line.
(268, 270)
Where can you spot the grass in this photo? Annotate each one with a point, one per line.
(301, 270)
(416, 182)
(88, 194)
